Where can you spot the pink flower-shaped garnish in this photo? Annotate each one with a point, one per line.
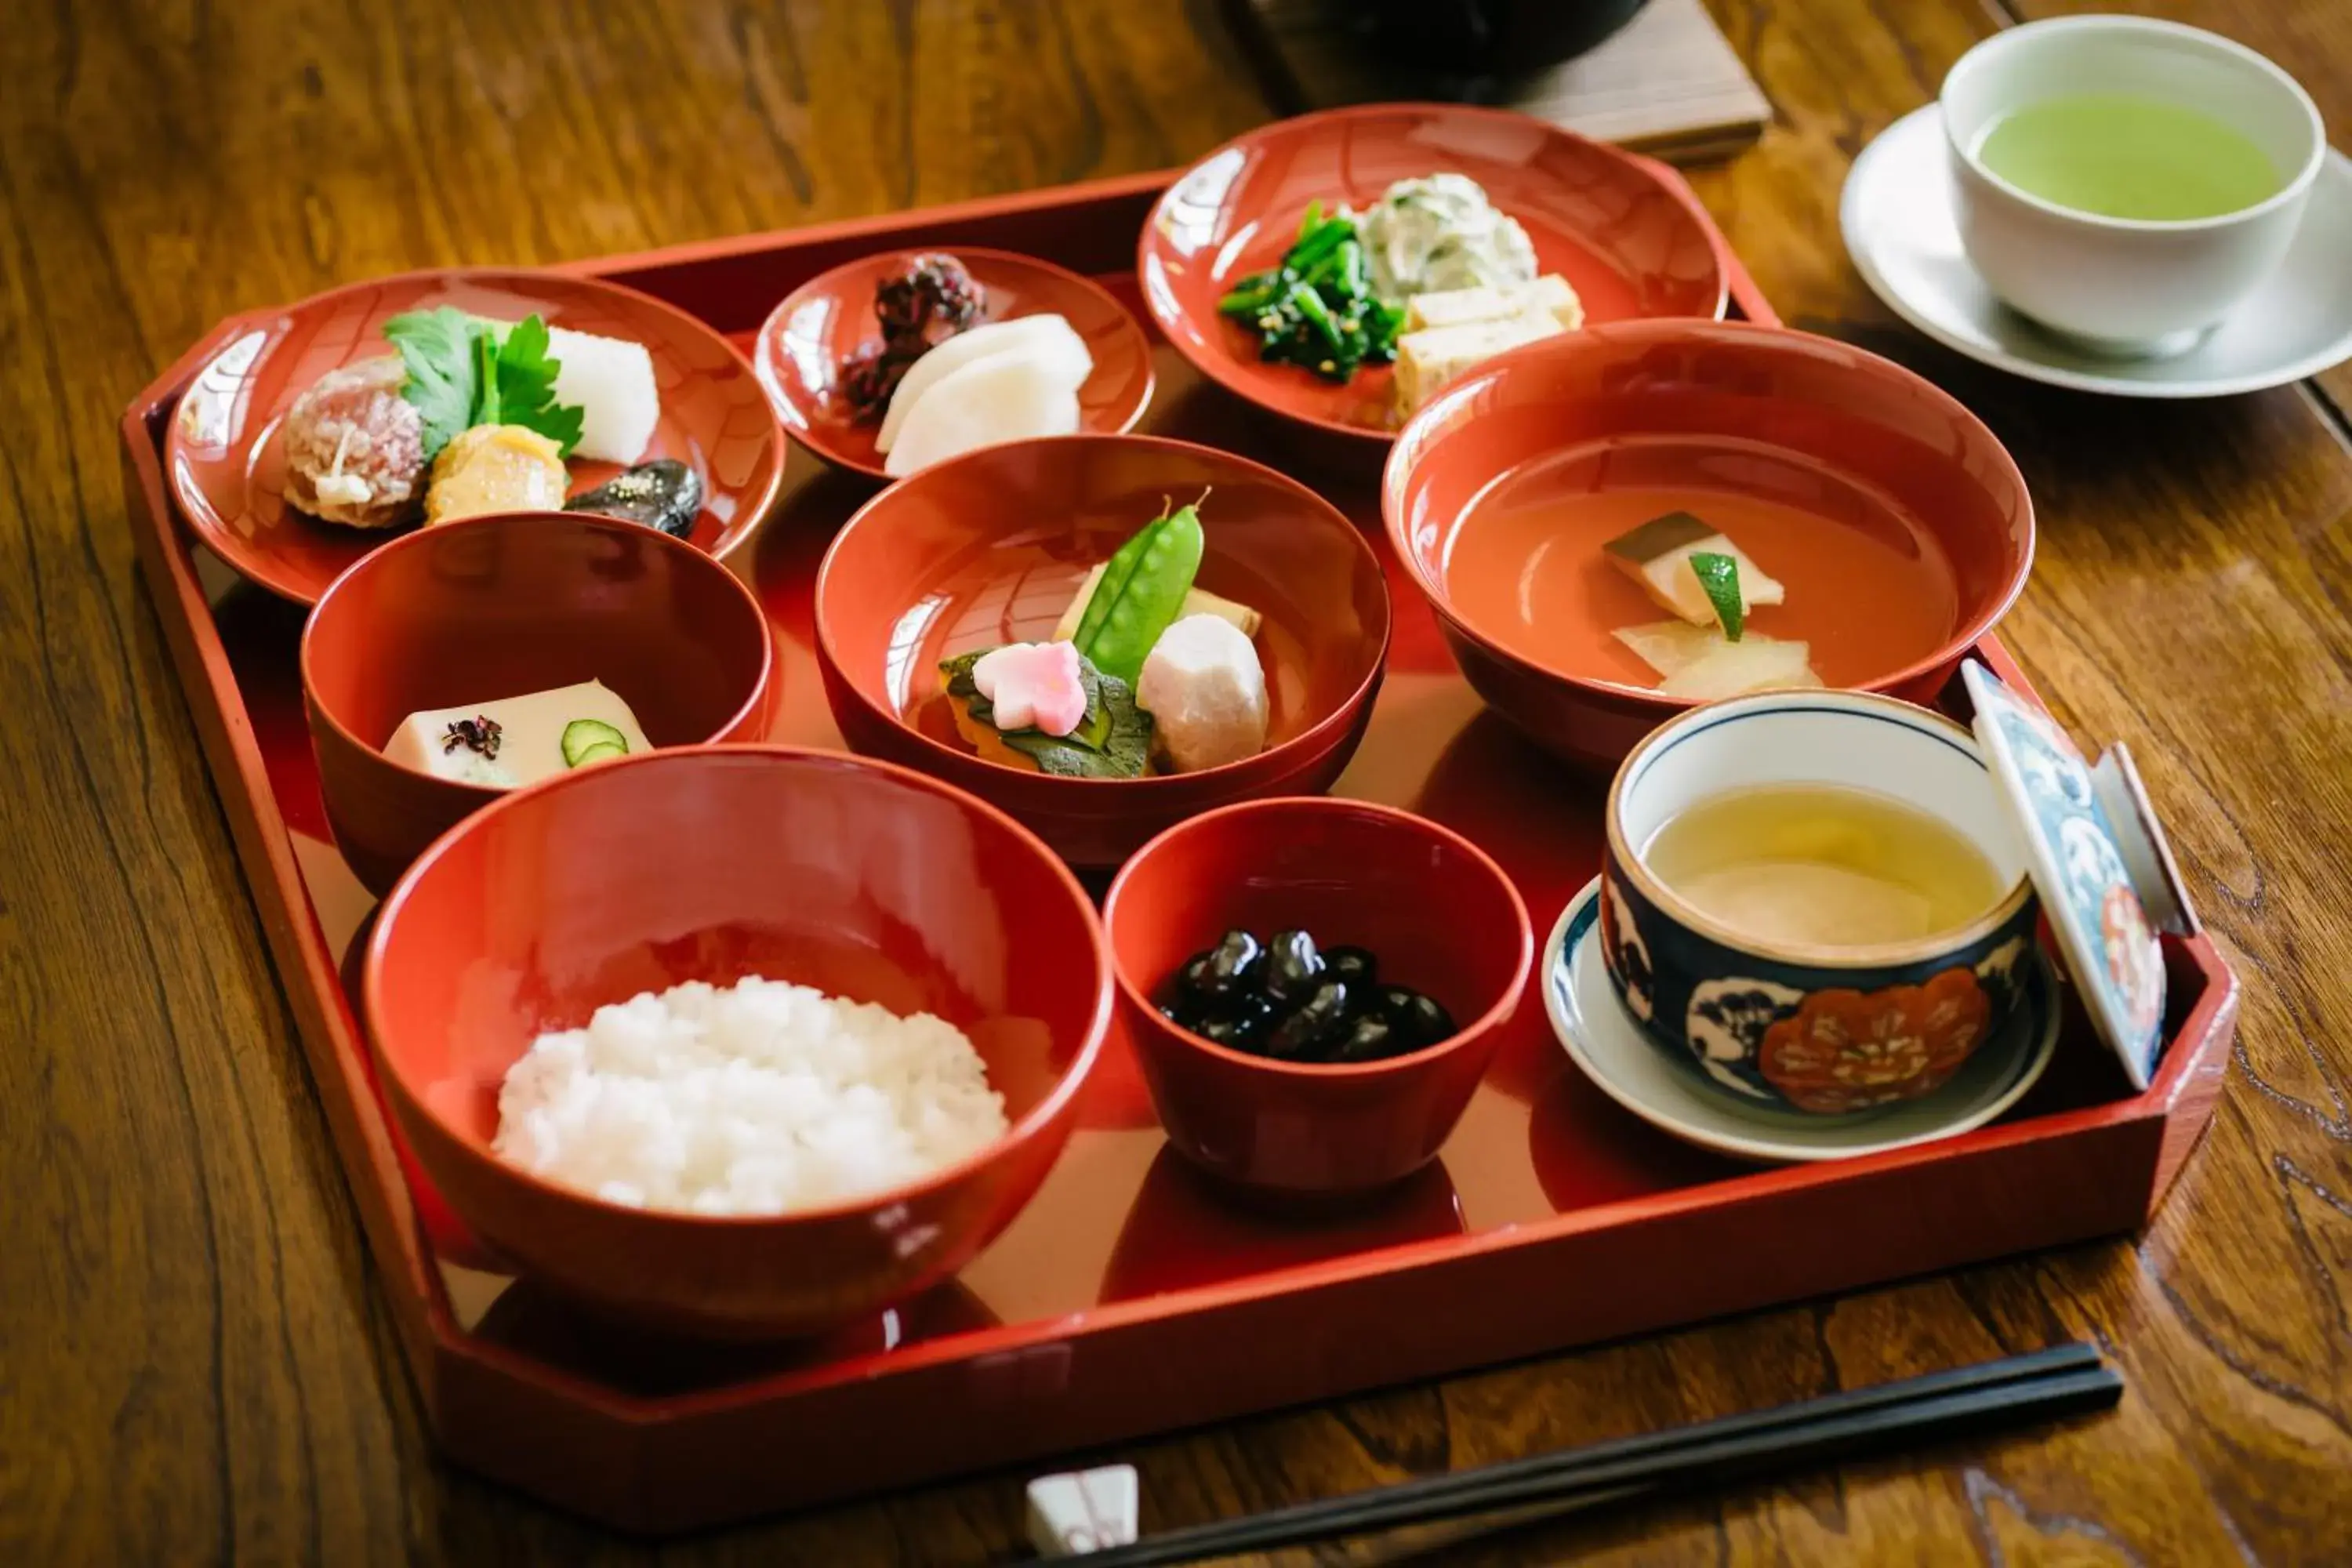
(1032, 686)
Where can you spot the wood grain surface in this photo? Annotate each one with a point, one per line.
(194, 1363)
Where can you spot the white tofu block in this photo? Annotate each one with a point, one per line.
(1073, 1514)
(531, 735)
(612, 381)
(1430, 358)
(1455, 307)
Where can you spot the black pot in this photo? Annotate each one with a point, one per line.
(1492, 37)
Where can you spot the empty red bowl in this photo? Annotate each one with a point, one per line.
(989, 547)
(1629, 240)
(1897, 522)
(1438, 914)
(712, 863)
(494, 608)
(817, 326)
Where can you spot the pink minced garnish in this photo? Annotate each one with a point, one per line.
(1032, 686)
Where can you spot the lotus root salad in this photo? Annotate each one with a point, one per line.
(759, 1098)
(1146, 672)
(467, 415)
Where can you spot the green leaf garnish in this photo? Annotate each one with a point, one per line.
(1720, 575)
(1112, 741)
(463, 371)
(437, 348)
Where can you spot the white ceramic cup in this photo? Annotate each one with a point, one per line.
(2126, 287)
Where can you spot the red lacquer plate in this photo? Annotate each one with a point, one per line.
(805, 339)
(226, 463)
(1631, 243)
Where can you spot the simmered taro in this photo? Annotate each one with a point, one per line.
(1318, 1023)
(664, 494)
(1355, 966)
(1292, 967)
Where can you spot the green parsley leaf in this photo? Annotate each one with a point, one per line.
(444, 375)
(1720, 575)
(525, 386)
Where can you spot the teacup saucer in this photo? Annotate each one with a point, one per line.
(1604, 1041)
(1897, 217)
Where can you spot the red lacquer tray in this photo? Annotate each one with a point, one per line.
(1125, 1300)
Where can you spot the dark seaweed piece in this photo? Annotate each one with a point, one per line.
(475, 734)
(1355, 966)
(664, 494)
(1292, 967)
(925, 303)
(1317, 1026)
(1369, 1038)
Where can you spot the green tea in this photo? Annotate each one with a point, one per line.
(1822, 866)
(2120, 155)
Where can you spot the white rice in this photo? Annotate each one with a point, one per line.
(757, 1099)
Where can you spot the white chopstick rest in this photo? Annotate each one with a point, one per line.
(1084, 1511)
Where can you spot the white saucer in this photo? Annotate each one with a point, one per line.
(1897, 216)
(1603, 1040)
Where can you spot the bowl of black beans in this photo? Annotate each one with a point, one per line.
(1314, 987)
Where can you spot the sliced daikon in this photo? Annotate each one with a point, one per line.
(1000, 397)
(1050, 335)
(1751, 664)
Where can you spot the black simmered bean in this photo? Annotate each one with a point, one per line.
(1234, 964)
(1415, 1017)
(1368, 1040)
(1240, 1031)
(1355, 966)
(1194, 981)
(1320, 1024)
(1292, 968)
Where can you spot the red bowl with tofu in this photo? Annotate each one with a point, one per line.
(991, 547)
(1888, 524)
(491, 608)
(1435, 912)
(714, 863)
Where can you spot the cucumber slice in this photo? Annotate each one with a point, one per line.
(590, 740)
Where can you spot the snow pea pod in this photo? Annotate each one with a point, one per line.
(1140, 594)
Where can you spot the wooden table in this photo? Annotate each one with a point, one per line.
(194, 1363)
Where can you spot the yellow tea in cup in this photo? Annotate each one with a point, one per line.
(1810, 865)
(2123, 155)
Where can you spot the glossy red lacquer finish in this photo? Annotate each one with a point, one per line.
(1130, 1296)
(714, 863)
(227, 465)
(493, 607)
(1630, 241)
(1724, 393)
(1433, 908)
(988, 548)
(801, 348)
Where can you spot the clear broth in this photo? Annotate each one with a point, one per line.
(1822, 866)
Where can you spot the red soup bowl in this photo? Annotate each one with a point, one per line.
(1438, 914)
(1897, 523)
(494, 608)
(991, 547)
(712, 863)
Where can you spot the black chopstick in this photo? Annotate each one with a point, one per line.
(2065, 1380)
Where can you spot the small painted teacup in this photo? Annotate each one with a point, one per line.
(1824, 1031)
